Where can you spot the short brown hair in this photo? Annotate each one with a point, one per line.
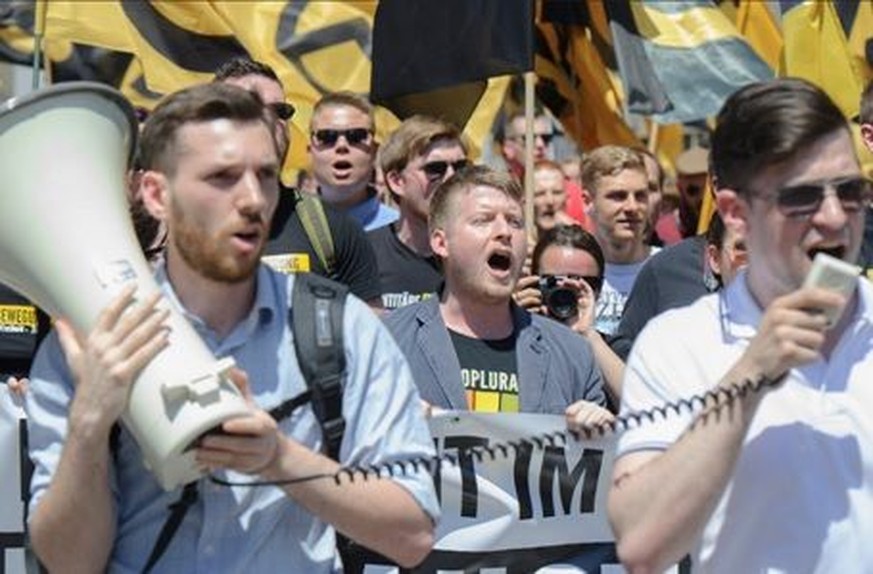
(201, 103)
(412, 138)
(463, 181)
(768, 123)
(349, 99)
(608, 160)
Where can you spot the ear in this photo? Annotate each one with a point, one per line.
(867, 135)
(733, 208)
(712, 258)
(396, 182)
(155, 192)
(439, 243)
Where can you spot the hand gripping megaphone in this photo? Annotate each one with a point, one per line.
(67, 243)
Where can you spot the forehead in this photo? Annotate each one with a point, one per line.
(549, 177)
(483, 198)
(541, 125)
(268, 89)
(226, 141)
(446, 149)
(830, 157)
(340, 116)
(567, 260)
(625, 180)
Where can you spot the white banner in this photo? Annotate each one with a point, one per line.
(11, 499)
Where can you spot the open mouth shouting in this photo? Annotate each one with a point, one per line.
(837, 251)
(500, 263)
(342, 169)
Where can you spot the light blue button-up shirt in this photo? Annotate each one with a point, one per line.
(243, 529)
(372, 213)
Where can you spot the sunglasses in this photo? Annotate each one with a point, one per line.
(546, 137)
(328, 138)
(805, 199)
(283, 110)
(434, 170)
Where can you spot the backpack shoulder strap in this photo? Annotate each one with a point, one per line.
(317, 307)
(311, 212)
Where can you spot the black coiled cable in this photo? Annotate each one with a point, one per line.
(714, 398)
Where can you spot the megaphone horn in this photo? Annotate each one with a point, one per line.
(67, 243)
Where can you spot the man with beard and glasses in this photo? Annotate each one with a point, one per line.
(774, 475)
(471, 347)
(292, 246)
(617, 180)
(210, 165)
(342, 151)
(418, 156)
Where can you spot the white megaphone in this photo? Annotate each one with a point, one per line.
(68, 244)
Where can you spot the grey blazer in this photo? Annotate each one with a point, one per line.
(556, 366)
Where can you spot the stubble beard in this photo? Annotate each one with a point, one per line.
(205, 256)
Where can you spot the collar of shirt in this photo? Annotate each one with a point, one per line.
(263, 310)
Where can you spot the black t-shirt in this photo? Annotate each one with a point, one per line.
(404, 276)
(355, 260)
(489, 372)
(21, 327)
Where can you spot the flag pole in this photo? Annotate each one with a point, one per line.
(529, 82)
(39, 11)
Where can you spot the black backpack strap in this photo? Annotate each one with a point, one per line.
(317, 321)
(177, 512)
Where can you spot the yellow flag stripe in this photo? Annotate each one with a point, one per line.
(683, 29)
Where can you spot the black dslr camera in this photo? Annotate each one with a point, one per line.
(559, 300)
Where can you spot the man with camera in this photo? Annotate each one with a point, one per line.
(567, 276)
(473, 348)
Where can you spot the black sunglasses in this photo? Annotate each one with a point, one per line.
(283, 110)
(805, 199)
(546, 137)
(437, 169)
(328, 138)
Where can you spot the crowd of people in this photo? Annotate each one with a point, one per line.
(615, 305)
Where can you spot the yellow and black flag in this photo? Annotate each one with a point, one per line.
(680, 60)
(817, 48)
(573, 78)
(435, 58)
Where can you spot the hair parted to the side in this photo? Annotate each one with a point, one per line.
(462, 182)
(768, 123)
(608, 160)
(241, 67)
(412, 138)
(349, 99)
(568, 236)
(200, 103)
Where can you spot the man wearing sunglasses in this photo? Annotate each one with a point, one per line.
(291, 246)
(342, 150)
(774, 473)
(512, 142)
(418, 156)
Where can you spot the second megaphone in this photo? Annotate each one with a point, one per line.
(64, 153)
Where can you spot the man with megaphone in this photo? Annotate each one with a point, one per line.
(210, 167)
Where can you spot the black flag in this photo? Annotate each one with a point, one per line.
(435, 58)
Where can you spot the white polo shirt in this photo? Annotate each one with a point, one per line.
(801, 495)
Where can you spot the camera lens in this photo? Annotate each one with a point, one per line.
(561, 302)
